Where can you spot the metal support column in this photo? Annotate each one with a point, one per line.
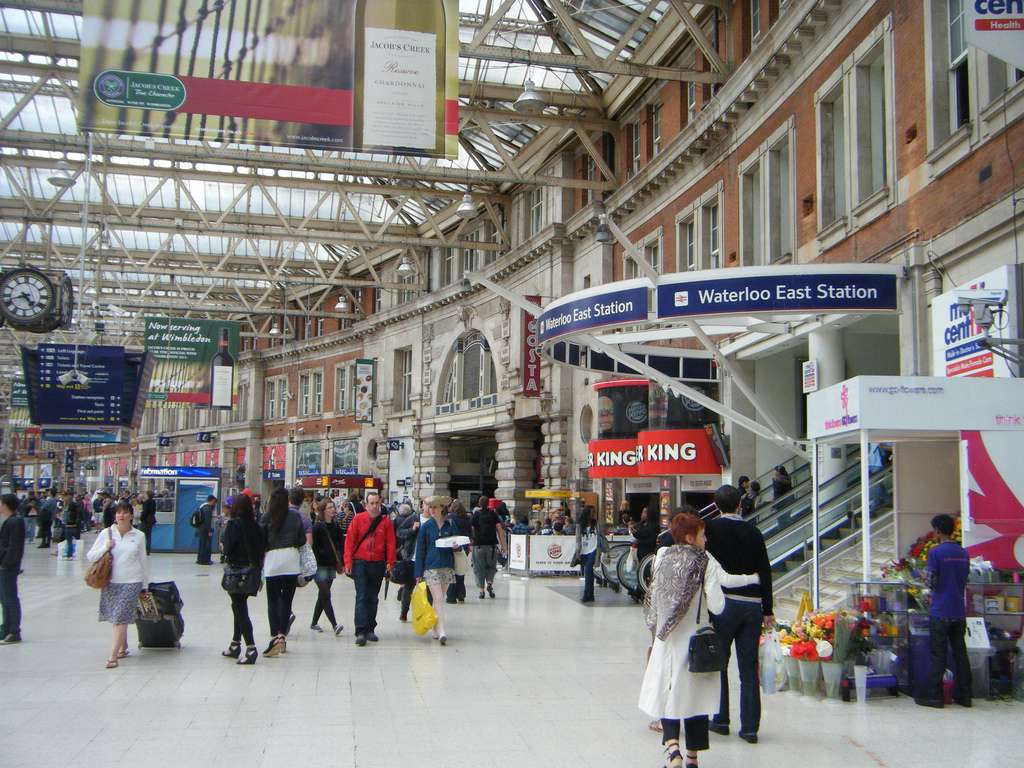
(865, 505)
(816, 548)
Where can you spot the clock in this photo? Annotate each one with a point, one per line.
(27, 298)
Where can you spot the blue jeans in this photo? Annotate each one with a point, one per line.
(740, 623)
(368, 577)
(10, 603)
(30, 528)
(71, 545)
(587, 561)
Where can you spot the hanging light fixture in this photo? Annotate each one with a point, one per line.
(341, 305)
(603, 233)
(275, 329)
(62, 177)
(530, 102)
(406, 266)
(467, 208)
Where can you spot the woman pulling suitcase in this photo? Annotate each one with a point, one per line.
(129, 576)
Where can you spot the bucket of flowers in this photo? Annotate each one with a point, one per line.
(809, 662)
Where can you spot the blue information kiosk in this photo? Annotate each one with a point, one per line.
(183, 489)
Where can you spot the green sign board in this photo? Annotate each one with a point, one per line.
(143, 90)
(194, 362)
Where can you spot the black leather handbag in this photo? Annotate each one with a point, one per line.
(707, 651)
(403, 573)
(245, 580)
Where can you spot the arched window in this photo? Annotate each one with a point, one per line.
(470, 373)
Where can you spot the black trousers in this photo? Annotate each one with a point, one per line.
(368, 577)
(44, 533)
(457, 589)
(280, 593)
(323, 602)
(695, 730)
(243, 624)
(946, 635)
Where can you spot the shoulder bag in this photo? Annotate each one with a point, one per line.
(370, 530)
(339, 566)
(98, 575)
(707, 651)
(243, 579)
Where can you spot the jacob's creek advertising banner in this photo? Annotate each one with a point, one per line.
(194, 359)
(374, 75)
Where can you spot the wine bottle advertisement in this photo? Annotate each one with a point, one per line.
(378, 75)
(194, 363)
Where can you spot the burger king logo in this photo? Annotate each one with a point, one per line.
(555, 551)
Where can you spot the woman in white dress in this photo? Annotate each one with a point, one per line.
(686, 580)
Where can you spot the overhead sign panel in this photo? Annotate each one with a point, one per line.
(96, 399)
(996, 27)
(378, 76)
(777, 290)
(617, 304)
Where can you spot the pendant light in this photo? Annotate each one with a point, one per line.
(530, 102)
(275, 329)
(341, 305)
(406, 266)
(467, 208)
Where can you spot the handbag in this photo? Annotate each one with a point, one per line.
(707, 651)
(462, 567)
(241, 580)
(307, 565)
(403, 573)
(57, 531)
(98, 575)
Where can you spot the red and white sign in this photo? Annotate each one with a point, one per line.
(996, 27)
(676, 452)
(992, 478)
(657, 453)
(612, 458)
(239, 457)
(531, 352)
(213, 458)
(273, 457)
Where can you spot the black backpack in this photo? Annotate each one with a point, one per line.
(196, 521)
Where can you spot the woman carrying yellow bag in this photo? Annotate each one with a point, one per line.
(423, 615)
(435, 565)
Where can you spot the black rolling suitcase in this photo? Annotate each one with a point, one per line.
(164, 628)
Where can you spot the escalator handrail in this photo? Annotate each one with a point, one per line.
(801, 488)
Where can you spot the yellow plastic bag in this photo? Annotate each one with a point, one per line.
(423, 615)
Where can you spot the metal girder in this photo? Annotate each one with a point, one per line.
(499, 116)
(682, 9)
(280, 161)
(566, 61)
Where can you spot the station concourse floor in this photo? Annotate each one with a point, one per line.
(532, 679)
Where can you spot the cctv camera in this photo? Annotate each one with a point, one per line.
(990, 297)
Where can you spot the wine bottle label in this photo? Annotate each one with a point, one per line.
(220, 397)
(400, 88)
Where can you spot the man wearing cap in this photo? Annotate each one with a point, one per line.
(369, 557)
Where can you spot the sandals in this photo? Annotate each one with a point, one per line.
(654, 725)
(691, 759)
(125, 653)
(673, 757)
(111, 663)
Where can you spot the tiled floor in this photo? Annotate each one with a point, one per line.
(529, 680)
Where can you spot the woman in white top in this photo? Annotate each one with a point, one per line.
(586, 545)
(687, 580)
(129, 576)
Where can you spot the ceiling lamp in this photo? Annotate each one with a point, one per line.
(341, 305)
(603, 234)
(530, 102)
(466, 209)
(275, 329)
(406, 266)
(62, 177)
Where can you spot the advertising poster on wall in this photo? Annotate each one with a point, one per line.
(378, 76)
(307, 459)
(362, 407)
(992, 485)
(274, 461)
(194, 363)
(19, 416)
(345, 457)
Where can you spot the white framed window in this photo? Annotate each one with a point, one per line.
(304, 394)
(755, 19)
(319, 326)
(686, 242)
(959, 72)
(243, 402)
(871, 124)
(447, 266)
(535, 210)
(652, 252)
(767, 192)
(378, 300)
(712, 235)
(589, 173)
(832, 156)
(307, 328)
(317, 404)
(488, 235)
(691, 101)
(698, 232)
(403, 379)
(634, 148)
(340, 391)
(270, 390)
(470, 257)
(630, 269)
(284, 394)
(470, 373)
(655, 129)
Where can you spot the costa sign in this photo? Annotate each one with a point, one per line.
(654, 453)
(531, 353)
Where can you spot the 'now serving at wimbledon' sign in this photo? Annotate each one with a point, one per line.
(802, 289)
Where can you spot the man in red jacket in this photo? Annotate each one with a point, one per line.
(369, 557)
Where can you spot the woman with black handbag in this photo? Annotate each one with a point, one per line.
(327, 548)
(682, 684)
(242, 544)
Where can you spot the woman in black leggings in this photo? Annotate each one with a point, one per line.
(327, 547)
(242, 545)
(284, 533)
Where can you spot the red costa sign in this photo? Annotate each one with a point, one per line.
(676, 452)
(654, 454)
(612, 458)
(531, 355)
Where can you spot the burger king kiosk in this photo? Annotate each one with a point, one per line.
(654, 445)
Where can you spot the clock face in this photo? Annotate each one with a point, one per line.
(26, 294)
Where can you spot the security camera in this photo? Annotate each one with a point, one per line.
(989, 297)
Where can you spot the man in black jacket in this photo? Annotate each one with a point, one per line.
(12, 548)
(148, 520)
(204, 516)
(739, 547)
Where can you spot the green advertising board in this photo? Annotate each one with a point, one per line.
(19, 418)
(194, 362)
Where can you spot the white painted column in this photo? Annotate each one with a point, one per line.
(865, 505)
(816, 548)
(826, 347)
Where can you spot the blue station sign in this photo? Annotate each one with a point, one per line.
(617, 304)
(179, 472)
(778, 290)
